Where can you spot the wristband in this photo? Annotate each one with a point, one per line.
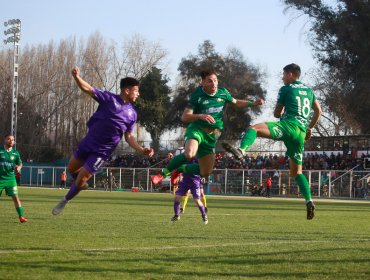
(250, 104)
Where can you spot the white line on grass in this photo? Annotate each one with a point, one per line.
(217, 196)
(204, 246)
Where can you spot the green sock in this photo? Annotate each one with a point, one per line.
(191, 168)
(248, 139)
(19, 211)
(304, 187)
(175, 163)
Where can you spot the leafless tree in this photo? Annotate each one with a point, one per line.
(52, 112)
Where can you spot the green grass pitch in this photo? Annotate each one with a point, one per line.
(123, 235)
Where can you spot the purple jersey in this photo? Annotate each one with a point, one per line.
(108, 124)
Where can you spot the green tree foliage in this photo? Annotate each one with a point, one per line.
(240, 78)
(339, 36)
(153, 104)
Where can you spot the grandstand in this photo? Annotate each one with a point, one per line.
(358, 144)
(324, 183)
(333, 165)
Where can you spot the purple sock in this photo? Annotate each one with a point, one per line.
(176, 207)
(73, 191)
(202, 210)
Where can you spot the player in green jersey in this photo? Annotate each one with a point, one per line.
(203, 113)
(294, 108)
(9, 161)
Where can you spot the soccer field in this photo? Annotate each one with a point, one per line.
(123, 235)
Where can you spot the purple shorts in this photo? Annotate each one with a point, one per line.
(92, 161)
(184, 186)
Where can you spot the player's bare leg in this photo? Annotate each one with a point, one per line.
(206, 164)
(74, 166)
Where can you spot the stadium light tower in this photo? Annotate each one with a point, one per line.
(13, 35)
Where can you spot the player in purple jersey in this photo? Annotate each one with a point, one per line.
(189, 182)
(114, 118)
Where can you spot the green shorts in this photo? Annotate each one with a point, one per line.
(292, 136)
(207, 141)
(10, 191)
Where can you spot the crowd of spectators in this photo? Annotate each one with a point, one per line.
(311, 161)
(314, 161)
(138, 161)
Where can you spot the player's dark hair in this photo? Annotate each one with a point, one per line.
(7, 135)
(128, 82)
(294, 69)
(207, 72)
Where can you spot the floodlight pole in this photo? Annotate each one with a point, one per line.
(14, 31)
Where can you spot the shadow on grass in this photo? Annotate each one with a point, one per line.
(169, 265)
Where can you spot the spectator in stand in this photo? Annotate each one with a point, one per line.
(312, 161)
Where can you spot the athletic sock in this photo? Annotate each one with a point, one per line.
(184, 201)
(204, 200)
(202, 210)
(248, 139)
(165, 172)
(73, 191)
(19, 211)
(175, 163)
(176, 208)
(304, 187)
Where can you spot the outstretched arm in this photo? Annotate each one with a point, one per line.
(240, 103)
(82, 84)
(130, 139)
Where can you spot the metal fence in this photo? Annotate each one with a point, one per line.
(332, 184)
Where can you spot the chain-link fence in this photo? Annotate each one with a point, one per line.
(324, 183)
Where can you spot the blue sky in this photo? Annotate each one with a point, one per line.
(258, 28)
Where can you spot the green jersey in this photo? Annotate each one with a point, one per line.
(203, 103)
(297, 100)
(8, 161)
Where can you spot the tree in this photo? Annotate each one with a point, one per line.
(140, 55)
(6, 76)
(240, 78)
(52, 111)
(153, 105)
(339, 37)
